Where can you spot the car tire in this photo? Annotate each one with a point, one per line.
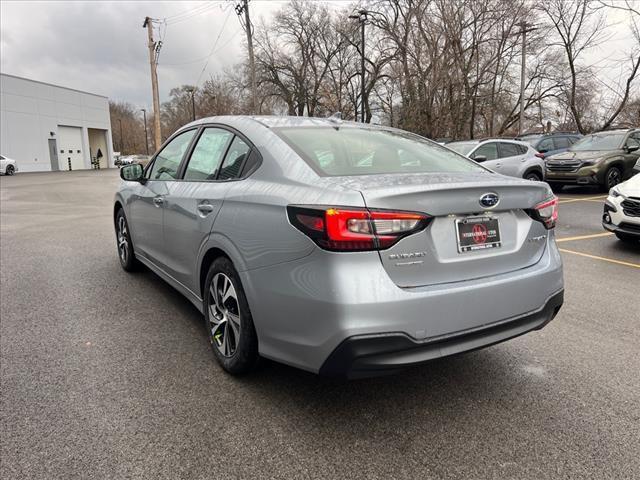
(228, 319)
(126, 254)
(625, 237)
(612, 177)
(533, 176)
(9, 170)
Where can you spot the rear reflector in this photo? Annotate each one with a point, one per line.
(546, 212)
(354, 229)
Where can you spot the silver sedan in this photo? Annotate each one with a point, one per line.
(339, 248)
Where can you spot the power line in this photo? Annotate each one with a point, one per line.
(213, 47)
(198, 60)
(194, 12)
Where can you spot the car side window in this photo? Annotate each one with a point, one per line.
(545, 145)
(509, 150)
(166, 163)
(573, 140)
(207, 154)
(233, 161)
(561, 142)
(489, 150)
(633, 140)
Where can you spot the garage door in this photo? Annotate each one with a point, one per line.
(70, 148)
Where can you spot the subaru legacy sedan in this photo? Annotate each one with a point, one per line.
(340, 248)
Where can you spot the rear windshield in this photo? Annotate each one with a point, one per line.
(600, 141)
(347, 150)
(462, 147)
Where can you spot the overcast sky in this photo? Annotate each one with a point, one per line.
(101, 47)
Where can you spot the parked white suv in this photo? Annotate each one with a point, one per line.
(7, 166)
(622, 210)
(508, 157)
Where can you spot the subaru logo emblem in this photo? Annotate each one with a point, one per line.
(489, 200)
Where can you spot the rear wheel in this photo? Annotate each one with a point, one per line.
(612, 178)
(228, 319)
(533, 176)
(10, 170)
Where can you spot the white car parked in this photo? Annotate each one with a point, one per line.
(622, 210)
(7, 166)
(508, 157)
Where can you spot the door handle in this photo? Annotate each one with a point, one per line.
(205, 208)
(158, 201)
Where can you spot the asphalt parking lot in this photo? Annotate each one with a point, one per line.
(108, 375)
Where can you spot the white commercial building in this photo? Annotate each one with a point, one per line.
(45, 127)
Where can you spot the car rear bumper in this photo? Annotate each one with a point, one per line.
(304, 309)
(370, 355)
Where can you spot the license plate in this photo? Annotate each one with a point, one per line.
(478, 233)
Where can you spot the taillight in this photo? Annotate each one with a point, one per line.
(539, 155)
(354, 229)
(546, 212)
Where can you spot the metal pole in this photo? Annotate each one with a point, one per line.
(522, 75)
(363, 18)
(146, 135)
(121, 137)
(193, 104)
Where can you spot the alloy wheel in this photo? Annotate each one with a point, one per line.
(224, 315)
(9, 170)
(123, 239)
(613, 177)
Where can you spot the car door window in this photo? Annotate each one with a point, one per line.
(545, 145)
(166, 163)
(573, 140)
(207, 154)
(633, 140)
(489, 150)
(233, 161)
(509, 150)
(561, 142)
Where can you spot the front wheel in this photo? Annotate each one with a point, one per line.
(612, 178)
(228, 319)
(10, 170)
(125, 247)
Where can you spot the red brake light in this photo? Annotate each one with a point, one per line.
(547, 212)
(539, 155)
(355, 229)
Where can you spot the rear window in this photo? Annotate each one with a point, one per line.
(340, 151)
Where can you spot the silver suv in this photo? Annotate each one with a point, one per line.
(339, 248)
(508, 157)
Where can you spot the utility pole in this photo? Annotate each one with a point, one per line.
(362, 18)
(193, 103)
(524, 28)
(146, 135)
(153, 48)
(121, 137)
(243, 7)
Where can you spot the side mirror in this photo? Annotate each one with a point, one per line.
(631, 148)
(480, 158)
(132, 172)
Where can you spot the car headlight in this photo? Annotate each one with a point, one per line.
(615, 193)
(591, 161)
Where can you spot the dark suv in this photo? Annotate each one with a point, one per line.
(548, 144)
(605, 158)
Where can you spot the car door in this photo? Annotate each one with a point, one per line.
(511, 159)
(146, 207)
(193, 203)
(489, 151)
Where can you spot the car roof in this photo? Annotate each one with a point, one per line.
(274, 121)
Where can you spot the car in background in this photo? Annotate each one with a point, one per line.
(342, 248)
(604, 159)
(636, 167)
(548, 144)
(622, 210)
(129, 159)
(7, 166)
(508, 157)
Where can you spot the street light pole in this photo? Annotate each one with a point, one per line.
(524, 28)
(146, 136)
(362, 18)
(192, 91)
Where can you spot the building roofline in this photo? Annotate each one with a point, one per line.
(53, 85)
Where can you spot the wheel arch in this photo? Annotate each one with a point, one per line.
(534, 169)
(208, 258)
